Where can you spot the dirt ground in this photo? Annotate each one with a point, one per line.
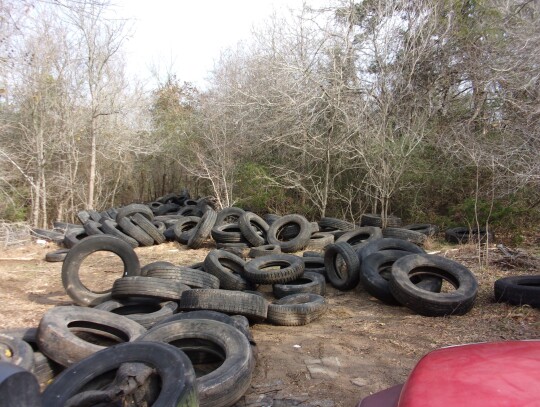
(360, 346)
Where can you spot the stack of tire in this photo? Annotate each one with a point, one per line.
(399, 272)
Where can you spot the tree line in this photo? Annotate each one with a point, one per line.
(425, 109)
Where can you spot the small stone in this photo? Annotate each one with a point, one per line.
(359, 382)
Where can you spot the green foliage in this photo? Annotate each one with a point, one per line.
(255, 189)
(13, 212)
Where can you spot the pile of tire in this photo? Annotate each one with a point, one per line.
(163, 323)
(399, 272)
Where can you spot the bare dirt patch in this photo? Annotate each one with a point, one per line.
(358, 347)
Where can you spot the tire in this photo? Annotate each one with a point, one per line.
(83, 216)
(178, 385)
(228, 233)
(264, 250)
(201, 232)
(311, 253)
(335, 224)
(147, 313)
(57, 340)
(149, 228)
(296, 309)
(190, 277)
(309, 283)
(518, 290)
(229, 215)
(463, 235)
(225, 385)
(156, 265)
(320, 240)
(132, 209)
(160, 226)
(371, 219)
(293, 245)
(190, 210)
(424, 228)
(339, 278)
(252, 306)
(291, 268)
(74, 259)
(270, 218)
(92, 228)
(56, 256)
(18, 387)
(361, 235)
(17, 352)
(228, 268)
(388, 243)
(427, 303)
(314, 265)
(109, 227)
(405, 234)
(148, 287)
(253, 228)
(375, 275)
(134, 231)
(74, 237)
(184, 226)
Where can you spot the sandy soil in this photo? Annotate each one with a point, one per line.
(360, 346)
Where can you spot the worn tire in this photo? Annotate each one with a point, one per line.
(371, 219)
(320, 240)
(291, 268)
(405, 234)
(340, 278)
(18, 387)
(149, 228)
(148, 287)
(229, 215)
(309, 283)
(134, 231)
(228, 268)
(518, 290)
(132, 209)
(178, 383)
(73, 237)
(225, 385)
(252, 306)
(109, 227)
(92, 228)
(361, 235)
(297, 243)
(71, 281)
(16, 351)
(185, 275)
(56, 255)
(146, 313)
(253, 228)
(297, 309)
(227, 233)
(335, 224)
(388, 243)
(428, 303)
(183, 228)
(202, 231)
(264, 250)
(425, 228)
(57, 340)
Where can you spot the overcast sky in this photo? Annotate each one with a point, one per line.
(188, 35)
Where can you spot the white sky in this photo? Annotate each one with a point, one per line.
(188, 35)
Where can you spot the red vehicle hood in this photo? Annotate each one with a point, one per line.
(496, 374)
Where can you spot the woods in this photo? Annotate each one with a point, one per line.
(426, 109)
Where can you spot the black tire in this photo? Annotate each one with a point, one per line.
(202, 231)
(314, 265)
(264, 250)
(148, 287)
(56, 332)
(228, 268)
(270, 218)
(309, 283)
(335, 224)
(371, 219)
(388, 243)
(425, 228)
(229, 215)
(405, 234)
(156, 265)
(297, 309)
(319, 240)
(311, 253)
(190, 277)
(149, 228)
(227, 233)
(518, 290)
(361, 235)
(190, 210)
(295, 244)
(183, 228)
(252, 306)
(225, 385)
(375, 274)
(92, 228)
(160, 226)
(344, 276)
(16, 351)
(83, 216)
(134, 231)
(73, 237)
(132, 209)
(258, 270)
(178, 385)
(463, 235)
(18, 387)
(109, 227)
(253, 228)
(428, 303)
(56, 256)
(72, 263)
(146, 313)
